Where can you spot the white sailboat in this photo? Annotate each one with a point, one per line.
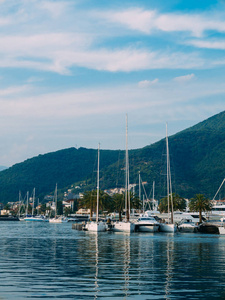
(57, 219)
(169, 226)
(126, 225)
(96, 226)
(34, 218)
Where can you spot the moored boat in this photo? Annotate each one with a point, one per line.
(147, 224)
(187, 225)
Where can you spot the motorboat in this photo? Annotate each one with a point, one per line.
(147, 224)
(186, 225)
(59, 219)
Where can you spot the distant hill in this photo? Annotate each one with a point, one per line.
(3, 168)
(197, 165)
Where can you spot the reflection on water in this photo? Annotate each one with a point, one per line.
(53, 261)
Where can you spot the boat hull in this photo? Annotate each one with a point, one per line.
(95, 227)
(208, 228)
(147, 228)
(221, 229)
(123, 227)
(35, 220)
(187, 228)
(167, 227)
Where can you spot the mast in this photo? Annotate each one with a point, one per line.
(19, 203)
(98, 184)
(33, 202)
(27, 203)
(153, 195)
(169, 184)
(55, 200)
(127, 205)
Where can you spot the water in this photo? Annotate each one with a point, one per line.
(52, 261)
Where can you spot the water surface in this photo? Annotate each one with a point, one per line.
(53, 261)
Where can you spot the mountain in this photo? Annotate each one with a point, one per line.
(197, 165)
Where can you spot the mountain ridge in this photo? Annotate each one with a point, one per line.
(197, 163)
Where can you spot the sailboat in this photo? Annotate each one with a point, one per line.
(126, 225)
(33, 217)
(169, 226)
(56, 219)
(96, 226)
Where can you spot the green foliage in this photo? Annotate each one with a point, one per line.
(178, 203)
(119, 204)
(200, 203)
(135, 201)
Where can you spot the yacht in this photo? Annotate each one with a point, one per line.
(186, 225)
(147, 224)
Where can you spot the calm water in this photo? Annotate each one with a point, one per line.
(45, 261)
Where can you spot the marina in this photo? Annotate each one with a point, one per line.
(43, 261)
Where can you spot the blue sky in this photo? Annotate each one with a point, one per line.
(71, 70)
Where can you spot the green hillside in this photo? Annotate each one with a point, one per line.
(197, 165)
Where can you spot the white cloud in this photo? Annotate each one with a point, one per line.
(54, 8)
(184, 78)
(5, 21)
(136, 18)
(208, 44)
(148, 20)
(14, 90)
(147, 83)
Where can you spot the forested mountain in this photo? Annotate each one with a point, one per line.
(197, 164)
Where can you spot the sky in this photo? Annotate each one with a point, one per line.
(70, 71)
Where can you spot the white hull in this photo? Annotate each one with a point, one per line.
(148, 228)
(123, 227)
(187, 228)
(221, 229)
(95, 227)
(58, 220)
(168, 227)
(33, 219)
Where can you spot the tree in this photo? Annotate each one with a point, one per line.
(119, 204)
(67, 211)
(89, 200)
(7, 206)
(43, 209)
(178, 203)
(135, 202)
(200, 203)
(59, 208)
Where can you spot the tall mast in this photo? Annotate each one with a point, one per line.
(19, 202)
(55, 200)
(98, 184)
(153, 195)
(169, 183)
(127, 205)
(33, 202)
(27, 203)
(167, 172)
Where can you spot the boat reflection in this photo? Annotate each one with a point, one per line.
(169, 268)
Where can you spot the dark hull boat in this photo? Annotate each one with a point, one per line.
(9, 218)
(208, 228)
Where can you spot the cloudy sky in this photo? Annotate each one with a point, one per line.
(70, 70)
